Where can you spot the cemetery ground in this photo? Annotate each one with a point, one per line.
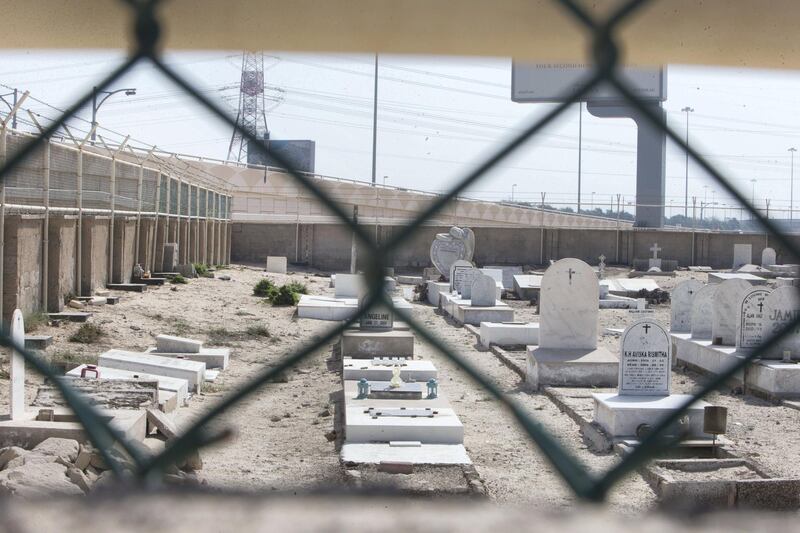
(285, 433)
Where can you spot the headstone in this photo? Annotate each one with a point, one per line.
(350, 286)
(782, 306)
(681, 305)
(17, 370)
(768, 257)
(655, 261)
(173, 344)
(484, 291)
(750, 328)
(170, 257)
(569, 306)
(495, 273)
(508, 275)
(447, 248)
(276, 265)
(742, 255)
(702, 308)
(645, 359)
(377, 317)
(725, 311)
(601, 266)
(459, 272)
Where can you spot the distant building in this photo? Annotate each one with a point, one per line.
(299, 153)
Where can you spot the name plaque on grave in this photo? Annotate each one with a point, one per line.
(751, 325)
(461, 273)
(645, 360)
(382, 390)
(377, 317)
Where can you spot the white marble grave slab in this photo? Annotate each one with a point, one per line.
(443, 427)
(509, 333)
(174, 385)
(681, 300)
(752, 314)
(421, 454)
(727, 303)
(719, 277)
(782, 306)
(484, 291)
(508, 274)
(375, 370)
(702, 310)
(212, 357)
(276, 265)
(645, 359)
(569, 306)
(620, 416)
(171, 343)
(192, 371)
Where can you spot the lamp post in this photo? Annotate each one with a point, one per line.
(792, 150)
(130, 91)
(512, 192)
(753, 197)
(687, 110)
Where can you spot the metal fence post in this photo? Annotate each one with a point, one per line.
(46, 225)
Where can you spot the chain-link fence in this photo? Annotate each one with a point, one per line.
(15, 174)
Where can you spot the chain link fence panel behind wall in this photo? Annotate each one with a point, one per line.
(585, 484)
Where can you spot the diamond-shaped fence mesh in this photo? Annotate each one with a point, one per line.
(16, 172)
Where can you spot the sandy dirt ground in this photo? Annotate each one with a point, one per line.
(283, 431)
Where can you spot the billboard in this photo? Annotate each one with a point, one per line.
(549, 82)
(300, 153)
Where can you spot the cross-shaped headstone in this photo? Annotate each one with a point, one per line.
(655, 249)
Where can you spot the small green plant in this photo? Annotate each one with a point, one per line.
(35, 320)
(258, 331)
(179, 279)
(180, 327)
(219, 336)
(201, 269)
(263, 288)
(297, 287)
(72, 358)
(285, 296)
(87, 334)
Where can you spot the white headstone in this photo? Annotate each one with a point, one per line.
(681, 305)
(276, 265)
(351, 286)
(508, 274)
(782, 306)
(768, 257)
(484, 291)
(447, 248)
(601, 266)
(742, 255)
(459, 272)
(495, 273)
(644, 362)
(655, 261)
(750, 328)
(702, 308)
(17, 370)
(725, 312)
(568, 306)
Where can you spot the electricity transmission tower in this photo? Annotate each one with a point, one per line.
(251, 116)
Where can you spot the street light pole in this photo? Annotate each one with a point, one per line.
(375, 122)
(753, 198)
(687, 110)
(792, 150)
(512, 192)
(130, 91)
(580, 151)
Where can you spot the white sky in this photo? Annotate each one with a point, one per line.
(437, 117)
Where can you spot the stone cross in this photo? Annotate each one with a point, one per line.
(602, 266)
(655, 249)
(17, 372)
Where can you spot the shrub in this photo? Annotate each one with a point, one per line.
(263, 288)
(258, 331)
(179, 279)
(285, 296)
(87, 334)
(35, 320)
(201, 269)
(297, 287)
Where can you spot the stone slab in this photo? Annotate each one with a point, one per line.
(466, 313)
(351, 398)
(509, 333)
(212, 357)
(178, 386)
(625, 286)
(350, 285)
(191, 371)
(420, 454)
(527, 286)
(619, 415)
(365, 344)
(71, 316)
(742, 255)
(171, 343)
(508, 274)
(130, 287)
(719, 277)
(276, 265)
(572, 368)
(370, 369)
(410, 280)
(38, 342)
(443, 428)
(569, 306)
(150, 281)
(435, 288)
(338, 309)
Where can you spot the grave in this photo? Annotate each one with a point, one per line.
(339, 309)
(70, 316)
(38, 342)
(461, 276)
(508, 274)
(527, 286)
(380, 369)
(177, 386)
(484, 291)
(792, 271)
(751, 323)
(742, 255)
(447, 248)
(410, 280)
(212, 357)
(567, 354)
(781, 307)
(509, 333)
(655, 265)
(171, 343)
(702, 311)
(654, 262)
(482, 306)
(629, 286)
(350, 286)
(727, 303)
(681, 300)
(756, 270)
(405, 422)
(128, 287)
(435, 288)
(719, 277)
(276, 265)
(192, 371)
(170, 257)
(497, 275)
(643, 397)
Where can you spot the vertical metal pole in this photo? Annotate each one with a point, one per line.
(206, 244)
(79, 236)
(619, 197)
(580, 151)
(155, 224)
(139, 212)
(178, 229)
(375, 123)
(541, 235)
(353, 249)
(694, 228)
(110, 275)
(197, 224)
(46, 225)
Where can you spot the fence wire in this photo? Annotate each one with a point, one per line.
(605, 54)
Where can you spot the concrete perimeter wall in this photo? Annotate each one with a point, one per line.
(327, 246)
